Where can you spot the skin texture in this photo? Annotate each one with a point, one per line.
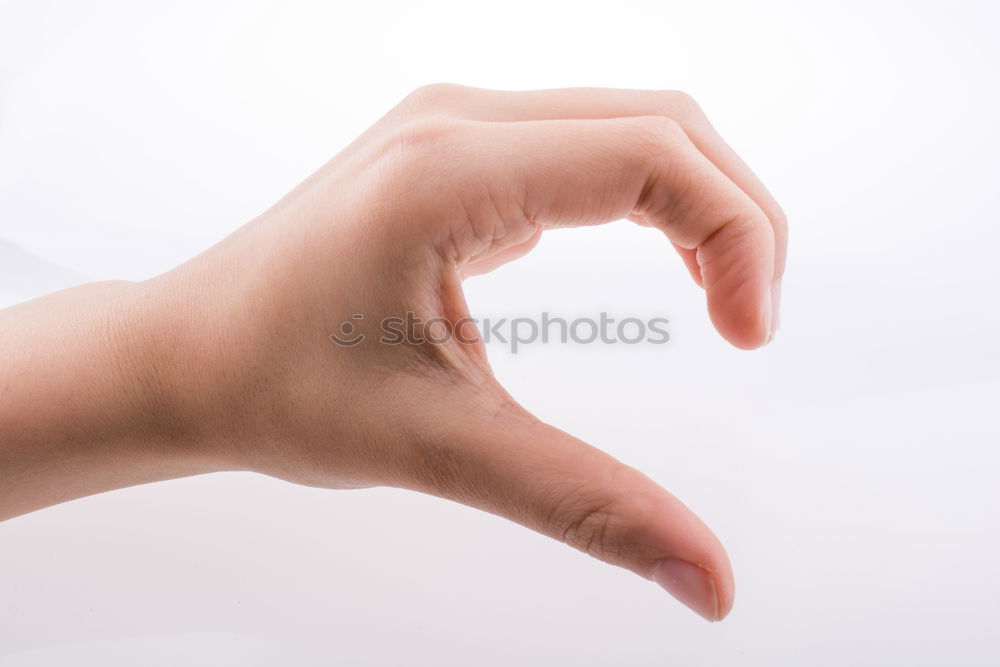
(225, 363)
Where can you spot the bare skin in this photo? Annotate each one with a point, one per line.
(225, 362)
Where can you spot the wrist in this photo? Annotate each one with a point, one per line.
(208, 335)
(161, 352)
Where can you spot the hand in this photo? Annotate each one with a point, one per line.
(233, 355)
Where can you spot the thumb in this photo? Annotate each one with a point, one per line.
(513, 465)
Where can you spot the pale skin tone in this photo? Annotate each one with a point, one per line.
(225, 362)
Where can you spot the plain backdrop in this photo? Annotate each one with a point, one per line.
(850, 467)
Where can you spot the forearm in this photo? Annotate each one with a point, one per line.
(81, 408)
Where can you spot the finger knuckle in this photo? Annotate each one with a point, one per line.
(724, 255)
(427, 133)
(655, 137)
(657, 132)
(432, 97)
(604, 528)
(589, 531)
(682, 105)
(425, 144)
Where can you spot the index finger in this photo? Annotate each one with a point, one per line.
(594, 103)
(573, 172)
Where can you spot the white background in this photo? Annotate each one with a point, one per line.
(850, 467)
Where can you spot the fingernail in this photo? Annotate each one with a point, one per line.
(691, 584)
(775, 307)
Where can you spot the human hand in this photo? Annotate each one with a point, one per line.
(234, 346)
